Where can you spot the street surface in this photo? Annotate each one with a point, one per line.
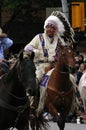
(68, 126)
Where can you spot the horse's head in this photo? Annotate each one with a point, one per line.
(26, 72)
(66, 56)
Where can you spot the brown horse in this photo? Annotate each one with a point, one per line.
(59, 91)
(59, 87)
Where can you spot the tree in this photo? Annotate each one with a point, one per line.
(23, 6)
(16, 7)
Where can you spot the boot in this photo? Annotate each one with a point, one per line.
(41, 101)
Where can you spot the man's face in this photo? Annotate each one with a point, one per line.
(50, 30)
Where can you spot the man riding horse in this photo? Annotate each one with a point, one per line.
(45, 47)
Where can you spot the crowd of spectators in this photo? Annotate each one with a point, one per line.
(77, 72)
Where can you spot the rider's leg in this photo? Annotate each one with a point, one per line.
(40, 72)
(41, 100)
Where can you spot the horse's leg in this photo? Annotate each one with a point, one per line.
(54, 111)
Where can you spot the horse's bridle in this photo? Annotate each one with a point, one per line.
(61, 93)
(20, 78)
(62, 72)
(9, 93)
(19, 75)
(18, 109)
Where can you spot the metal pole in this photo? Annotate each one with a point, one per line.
(65, 8)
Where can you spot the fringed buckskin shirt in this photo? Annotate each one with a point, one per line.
(36, 46)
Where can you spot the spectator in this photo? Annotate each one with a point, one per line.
(80, 71)
(5, 43)
(81, 59)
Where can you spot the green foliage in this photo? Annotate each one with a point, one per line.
(14, 4)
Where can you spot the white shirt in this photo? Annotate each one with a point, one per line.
(37, 47)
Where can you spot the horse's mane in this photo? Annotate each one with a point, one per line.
(16, 62)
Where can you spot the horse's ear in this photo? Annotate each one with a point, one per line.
(32, 55)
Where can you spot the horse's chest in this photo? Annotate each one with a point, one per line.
(60, 97)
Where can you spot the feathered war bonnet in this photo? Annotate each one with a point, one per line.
(61, 23)
(55, 21)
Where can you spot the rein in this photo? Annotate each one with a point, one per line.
(62, 72)
(20, 109)
(61, 93)
(11, 94)
(11, 107)
(19, 98)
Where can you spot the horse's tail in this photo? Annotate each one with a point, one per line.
(37, 123)
(41, 123)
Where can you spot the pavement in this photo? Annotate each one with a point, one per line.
(68, 126)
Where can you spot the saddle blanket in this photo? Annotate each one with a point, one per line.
(44, 81)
